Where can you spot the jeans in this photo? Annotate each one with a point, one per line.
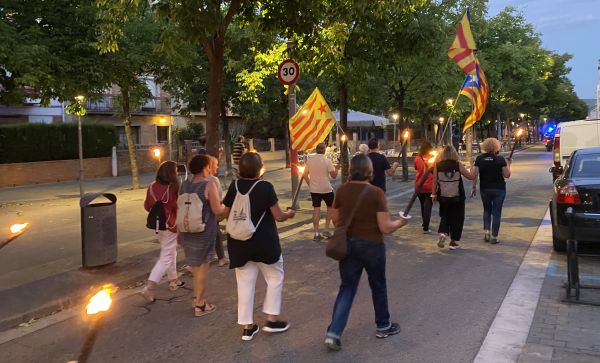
(452, 219)
(426, 206)
(371, 257)
(246, 284)
(492, 209)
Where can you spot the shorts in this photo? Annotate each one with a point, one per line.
(318, 197)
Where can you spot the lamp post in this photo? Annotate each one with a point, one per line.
(163, 121)
(79, 100)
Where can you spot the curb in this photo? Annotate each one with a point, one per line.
(131, 270)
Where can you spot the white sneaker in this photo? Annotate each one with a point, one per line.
(429, 231)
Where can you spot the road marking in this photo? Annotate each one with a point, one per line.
(401, 194)
(509, 330)
(553, 271)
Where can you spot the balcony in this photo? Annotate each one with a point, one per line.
(108, 105)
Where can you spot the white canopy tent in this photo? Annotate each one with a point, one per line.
(361, 119)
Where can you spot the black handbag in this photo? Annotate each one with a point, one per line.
(337, 245)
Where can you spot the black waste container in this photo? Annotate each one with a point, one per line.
(98, 230)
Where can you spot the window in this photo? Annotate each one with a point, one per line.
(162, 133)
(586, 165)
(135, 131)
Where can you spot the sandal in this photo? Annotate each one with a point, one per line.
(223, 262)
(204, 309)
(175, 284)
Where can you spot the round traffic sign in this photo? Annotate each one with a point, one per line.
(288, 72)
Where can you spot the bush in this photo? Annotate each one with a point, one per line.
(42, 142)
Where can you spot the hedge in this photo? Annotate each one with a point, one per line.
(43, 142)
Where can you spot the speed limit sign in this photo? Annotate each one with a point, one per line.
(288, 72)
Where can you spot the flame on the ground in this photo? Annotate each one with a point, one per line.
(101, 301)
(19, 227)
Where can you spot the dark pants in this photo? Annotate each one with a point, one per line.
(371, 257)
(492, 209)
(219, 245)
(426, 205)
(452, 219)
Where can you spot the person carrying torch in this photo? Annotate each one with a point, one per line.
(448, 190)
(424, 191)
(317, 174)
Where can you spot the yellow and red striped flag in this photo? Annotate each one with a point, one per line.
(312, 123)
(477, 90)
(462, 49)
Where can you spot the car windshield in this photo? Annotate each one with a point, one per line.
(586, 166)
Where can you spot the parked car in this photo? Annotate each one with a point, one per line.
(578, 186)
(571, 136)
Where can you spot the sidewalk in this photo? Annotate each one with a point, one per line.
(535, 323)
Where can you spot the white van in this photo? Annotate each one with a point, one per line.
(571, 136)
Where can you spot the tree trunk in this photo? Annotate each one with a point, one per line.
(344, 125)
(135, 177)
(225, 136)
(215, 90)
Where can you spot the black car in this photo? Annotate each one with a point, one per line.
(578, 186)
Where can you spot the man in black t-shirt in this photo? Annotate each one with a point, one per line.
(381, 165)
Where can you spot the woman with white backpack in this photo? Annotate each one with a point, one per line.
(197, 207)
(252, 208)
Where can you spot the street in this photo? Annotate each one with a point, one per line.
(444, 300)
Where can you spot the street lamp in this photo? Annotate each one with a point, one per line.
(79, 100)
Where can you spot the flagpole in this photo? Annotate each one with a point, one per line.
(440, 137)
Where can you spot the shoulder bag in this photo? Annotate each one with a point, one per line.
(337, 245)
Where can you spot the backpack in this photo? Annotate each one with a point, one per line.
(239, 223)
(189, 212)
(157, 218)
(449, 185)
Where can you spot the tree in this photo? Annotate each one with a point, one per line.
(47, 51)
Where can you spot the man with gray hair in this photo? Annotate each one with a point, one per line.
(319, 170)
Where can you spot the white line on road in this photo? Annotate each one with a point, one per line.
(509, 330)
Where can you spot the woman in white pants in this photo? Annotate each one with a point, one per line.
(262, 252)
(165, 189)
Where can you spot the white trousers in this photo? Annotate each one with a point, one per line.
(246, 284)
(167, 261)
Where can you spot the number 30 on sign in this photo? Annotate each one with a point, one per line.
(288, 72)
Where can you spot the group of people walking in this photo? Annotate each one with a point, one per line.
(444, 184)
(260, 251)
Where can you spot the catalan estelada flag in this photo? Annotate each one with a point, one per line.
(312, 123)
(475, 88)
(462, 49)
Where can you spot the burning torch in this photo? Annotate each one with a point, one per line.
(297, 191)
(402, 155)
(430, 163)
(96, 308)
(15, 231)
(517, 136)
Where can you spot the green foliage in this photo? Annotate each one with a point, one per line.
(41, 142)
(192, 131)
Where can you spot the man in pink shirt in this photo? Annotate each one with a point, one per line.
(319, 170)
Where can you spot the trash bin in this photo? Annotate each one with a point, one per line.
(98, 230)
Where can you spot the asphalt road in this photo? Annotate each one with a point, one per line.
(444, 300)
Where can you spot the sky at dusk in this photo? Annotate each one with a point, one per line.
(566, 26)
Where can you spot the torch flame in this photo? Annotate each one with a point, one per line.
(434, 155)
(156, 152)
(262, 171)
(520, 132)
(405, 135)
(300, 169)
(18, 228)
(344, 138)
(101, 301)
